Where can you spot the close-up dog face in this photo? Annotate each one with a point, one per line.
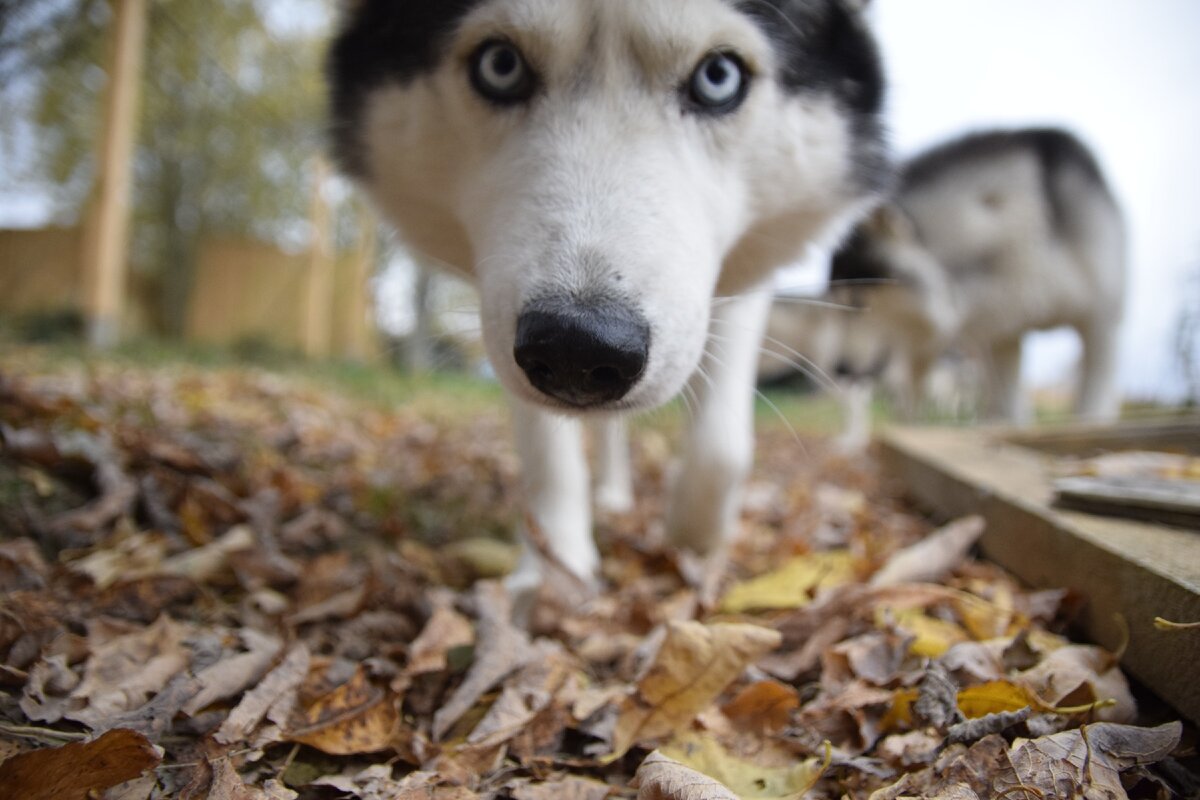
(601, 169)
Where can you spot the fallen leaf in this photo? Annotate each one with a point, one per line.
(205, 562)
(792, 585)
(353, 719)
(694, 664)
(233, 674)
(933, 557)
(765, 706)
(748, 780)
(974, 729)
(124, 672)
(524, 696)
(500, 649)
(1087, 762)
(660, 778)
(445, 630)
(1080, 675)
(76, 771)
(563, 789)
(280, 682)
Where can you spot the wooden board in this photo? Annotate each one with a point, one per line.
(1152, 499)
(1129, 570)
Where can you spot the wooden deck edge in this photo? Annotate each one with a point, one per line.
(1130, 572)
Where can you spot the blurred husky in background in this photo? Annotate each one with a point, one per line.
(619, 180)
(986, 238)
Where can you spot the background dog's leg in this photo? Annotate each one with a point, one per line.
(555, 482)
(856, 415)
(720, 443)
(613, 489)
(1006, 400)
(1098, 400)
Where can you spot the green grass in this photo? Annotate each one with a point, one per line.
(437, 394)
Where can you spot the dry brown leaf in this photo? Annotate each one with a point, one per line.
(229, 676)
(765, 706)
(563, 789)
(933, 557)
(1087, 762)
(660, 778)
(228, 785)
(279, 683)
(353, 719)
(1079, 675)
(124, 672)
(445, 630)
(117, 495)
(76, 771)
(376, 783)
(694, 664)
(525, 695)
(500, 649)
(205, 562)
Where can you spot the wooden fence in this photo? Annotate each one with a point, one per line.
(243, 290)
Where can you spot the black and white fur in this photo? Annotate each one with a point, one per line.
(986, 238)
(619, 178)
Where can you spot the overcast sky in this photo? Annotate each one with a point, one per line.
(1123, 74)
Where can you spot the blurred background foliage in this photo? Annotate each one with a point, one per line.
(231, 115)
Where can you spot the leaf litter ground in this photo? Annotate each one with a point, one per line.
(231, 584)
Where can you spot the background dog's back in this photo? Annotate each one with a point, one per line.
(989, 237)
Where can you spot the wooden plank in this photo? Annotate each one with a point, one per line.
(106, 240)
(1152, 499)
(1130, 572)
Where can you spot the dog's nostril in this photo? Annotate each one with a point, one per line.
(603, 377)
(582, 354)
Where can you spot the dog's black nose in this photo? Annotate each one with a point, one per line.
(580, 353)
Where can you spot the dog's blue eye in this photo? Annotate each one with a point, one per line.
(499, 73)
(718, 84)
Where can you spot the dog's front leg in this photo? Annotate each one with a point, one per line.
(555, 483)
(613, 490)
(706, 498)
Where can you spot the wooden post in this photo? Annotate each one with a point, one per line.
(358, 343)
(106, 244)
(318, 295)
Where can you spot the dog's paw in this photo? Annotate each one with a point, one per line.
(613, 498)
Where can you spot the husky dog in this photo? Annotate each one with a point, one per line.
(618, 178)
(986, 238)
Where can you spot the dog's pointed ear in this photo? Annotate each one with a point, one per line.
(889, 222)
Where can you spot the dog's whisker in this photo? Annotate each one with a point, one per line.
(823, 379)
(814, 302)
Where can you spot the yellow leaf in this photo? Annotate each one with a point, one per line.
(994, 697)
(692, 667)
(792, 585)
(746, 779)
(900, 714)
(974, 702)
(933, 636)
